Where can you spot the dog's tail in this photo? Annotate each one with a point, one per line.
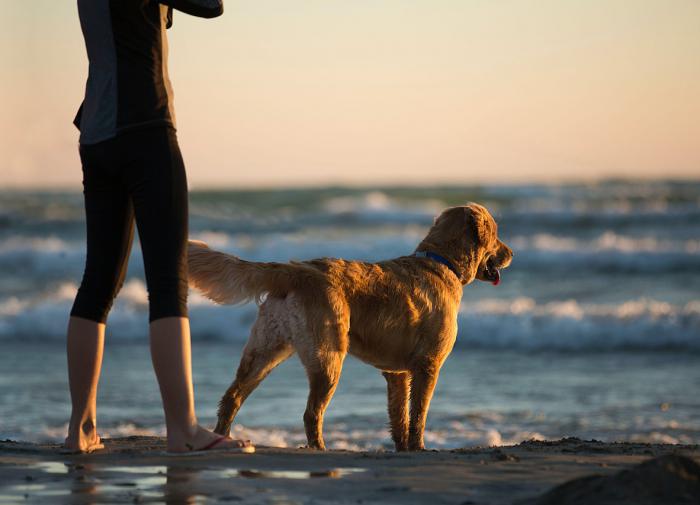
(226, 279)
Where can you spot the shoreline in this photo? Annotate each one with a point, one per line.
(136, 470)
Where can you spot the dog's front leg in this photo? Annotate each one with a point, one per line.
(423, 380)
(398, 392)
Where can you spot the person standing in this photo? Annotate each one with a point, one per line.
(133, 173)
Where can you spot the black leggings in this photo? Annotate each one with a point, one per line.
(138, 175)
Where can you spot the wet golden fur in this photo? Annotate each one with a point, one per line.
(398, 315)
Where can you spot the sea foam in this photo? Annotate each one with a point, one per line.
(521, 322)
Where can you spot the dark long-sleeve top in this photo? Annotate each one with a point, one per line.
(128, 85)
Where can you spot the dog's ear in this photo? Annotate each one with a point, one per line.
(480, 226)
(478, 235)
(461, 235)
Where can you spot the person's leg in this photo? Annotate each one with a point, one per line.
(172, 362)
(109, 225)
(158, 187)
(84, 348)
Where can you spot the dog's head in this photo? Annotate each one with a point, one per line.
(468, 237)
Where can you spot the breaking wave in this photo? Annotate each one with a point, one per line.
(520, 323)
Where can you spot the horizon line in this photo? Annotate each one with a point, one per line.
(282, 186)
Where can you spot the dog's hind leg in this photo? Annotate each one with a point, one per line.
(398, 388)
(323, 371)
(265, 349)
(319, 329)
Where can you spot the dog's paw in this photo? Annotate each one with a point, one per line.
(223, 429)
(313, 447)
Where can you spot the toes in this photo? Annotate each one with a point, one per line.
(95, 447)
(82, 447)
(236, 443)
(242, 443)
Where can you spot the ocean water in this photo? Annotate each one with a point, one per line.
(594, 331)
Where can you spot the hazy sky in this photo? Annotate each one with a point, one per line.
(280, 92)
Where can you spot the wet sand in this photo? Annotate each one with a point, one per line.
(136, 470)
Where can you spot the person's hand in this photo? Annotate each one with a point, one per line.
(199, 8)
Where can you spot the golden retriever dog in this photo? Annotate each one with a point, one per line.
(399, 316)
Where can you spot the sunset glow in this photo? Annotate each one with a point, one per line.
(366, 92)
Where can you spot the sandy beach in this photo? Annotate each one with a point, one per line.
(136, 470)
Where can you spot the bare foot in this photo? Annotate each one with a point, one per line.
(82, 444)
(82, 440)
(204, 440)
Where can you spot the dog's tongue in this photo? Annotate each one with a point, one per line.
(497, 280)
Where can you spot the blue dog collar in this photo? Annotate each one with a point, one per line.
(439, 259)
